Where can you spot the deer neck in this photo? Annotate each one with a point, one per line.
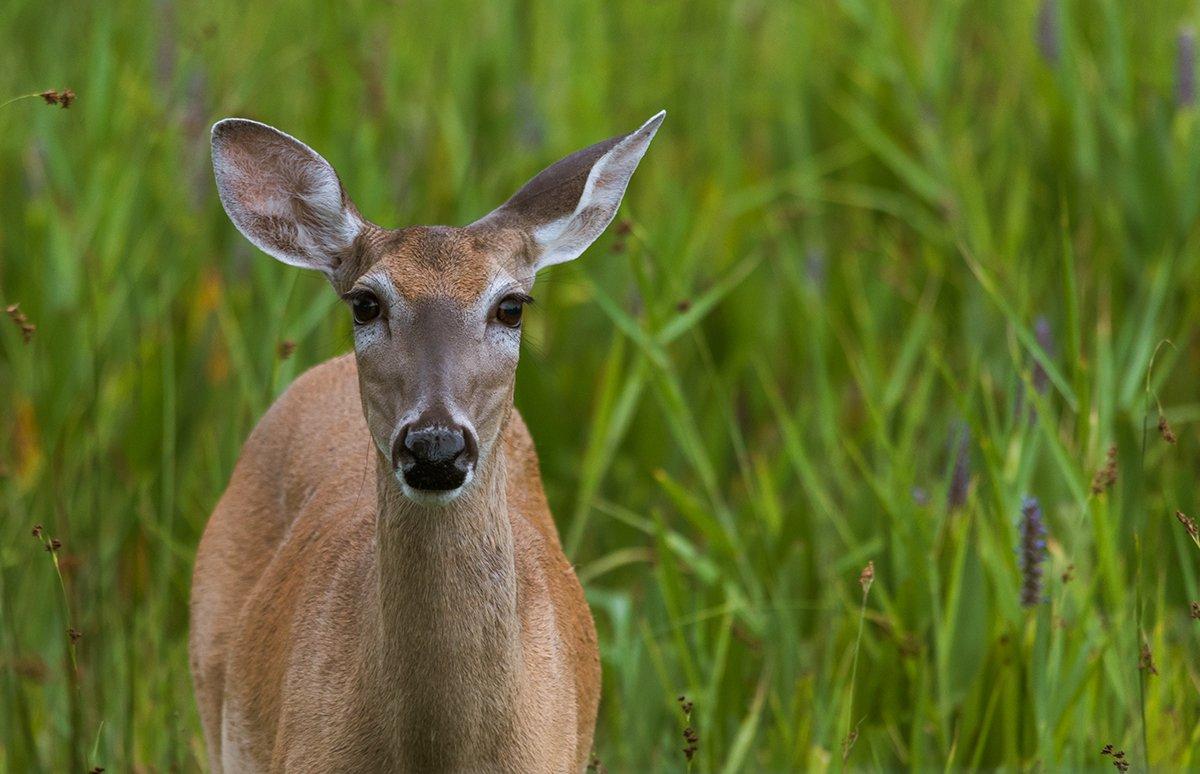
(448, 654)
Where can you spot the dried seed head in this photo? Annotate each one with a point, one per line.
(74, 634)
(21, 321)
(1189, 525)
(1164, 429)
(1195, 611)
(37, 530)
(62, 98)
(867, 576)
(848, 743)
(1106, 476)
(54, 544)
(1146, 659)
(1068, 574)
(286, 348)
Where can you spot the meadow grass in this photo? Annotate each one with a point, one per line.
(891, 267)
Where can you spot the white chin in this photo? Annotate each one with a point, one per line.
(427, 498)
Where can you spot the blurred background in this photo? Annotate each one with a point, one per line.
(889, 269)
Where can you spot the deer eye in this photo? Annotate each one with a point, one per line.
(508, 311)
(365, 307)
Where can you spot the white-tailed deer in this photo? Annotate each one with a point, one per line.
(381, 587)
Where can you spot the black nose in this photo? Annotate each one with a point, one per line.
(434, 457)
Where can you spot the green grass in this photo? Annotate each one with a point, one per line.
(865, 206)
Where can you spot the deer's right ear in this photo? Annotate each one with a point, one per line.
(283, 196)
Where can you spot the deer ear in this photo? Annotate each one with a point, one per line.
(570, 203)
(283, 196)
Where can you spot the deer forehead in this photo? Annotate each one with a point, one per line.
(458, 264)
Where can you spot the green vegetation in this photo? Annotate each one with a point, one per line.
(877, 248)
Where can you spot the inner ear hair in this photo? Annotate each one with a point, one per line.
(284, 197)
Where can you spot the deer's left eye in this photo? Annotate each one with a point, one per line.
(508, 311)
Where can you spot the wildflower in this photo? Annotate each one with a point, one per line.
(1032, 551)
(960, 478)
(1185, 68)
(1048, 38)
(920, 496)
(1106, 476)
(815, 268)
(1045, 339)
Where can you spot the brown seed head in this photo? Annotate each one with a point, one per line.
(1195, 611)
(1106, 476)
(286, 348)
(1189, 525)
(867, 576)
(1146, 661)
(1164, 429)
(21, 321)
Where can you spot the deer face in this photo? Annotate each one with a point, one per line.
(437, 310)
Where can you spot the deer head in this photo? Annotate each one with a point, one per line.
(436, 309)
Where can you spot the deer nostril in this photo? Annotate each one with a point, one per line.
(434, 445)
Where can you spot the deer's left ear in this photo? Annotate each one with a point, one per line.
(570, 203)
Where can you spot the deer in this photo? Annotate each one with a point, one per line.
(381, 587)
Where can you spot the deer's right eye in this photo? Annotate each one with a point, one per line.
(365, 307)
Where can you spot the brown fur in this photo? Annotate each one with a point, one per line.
(286, 594)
